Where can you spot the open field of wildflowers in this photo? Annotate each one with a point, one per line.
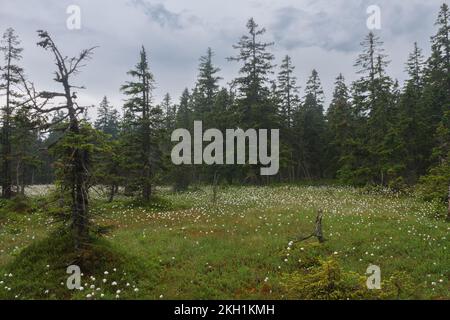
(242, 246)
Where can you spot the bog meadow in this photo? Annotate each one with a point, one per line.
(97, 204)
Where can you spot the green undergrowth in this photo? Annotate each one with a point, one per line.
(184, 245)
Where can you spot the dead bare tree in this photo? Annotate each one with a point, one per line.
(76, 158)
(318, 233)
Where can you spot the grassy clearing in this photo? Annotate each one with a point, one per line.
(182, 246)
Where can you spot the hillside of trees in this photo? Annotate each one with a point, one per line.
(374, 132)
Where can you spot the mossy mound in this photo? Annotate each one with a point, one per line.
(40, 271)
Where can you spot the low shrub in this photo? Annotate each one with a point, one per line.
(327, 281)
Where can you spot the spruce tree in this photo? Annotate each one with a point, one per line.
(310, 130)
(254, 105)
(140, 111)
(107, 119)
(207, 86)
(184, 111)
(340, 123)
(436, 95)
(411, 151)
(181, 176)
(436, 101)
(372, 100)
(9, 79)
(169, 111)
(287, 91)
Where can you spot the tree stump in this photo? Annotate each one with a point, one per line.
(318, 228)
(318, 233)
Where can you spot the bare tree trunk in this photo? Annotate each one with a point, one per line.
(318, 228)
(112, 192)
(22, 187)
(18, 177)
(146, 188)
(23, 181)
(318, 233)
(80, 200)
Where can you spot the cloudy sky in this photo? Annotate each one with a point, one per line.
(317, 34)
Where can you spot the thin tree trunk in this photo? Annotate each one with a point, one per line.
(22, 182)
(18, 177)
(146, 188)
(112, 193)
(80, 196)
(6, 143)
(79, 159)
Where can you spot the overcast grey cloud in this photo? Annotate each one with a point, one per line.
(158, 13)
(318, 34)
(341, 24)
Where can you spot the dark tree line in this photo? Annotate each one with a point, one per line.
(374, 132)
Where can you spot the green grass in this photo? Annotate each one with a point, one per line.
(182, 246)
